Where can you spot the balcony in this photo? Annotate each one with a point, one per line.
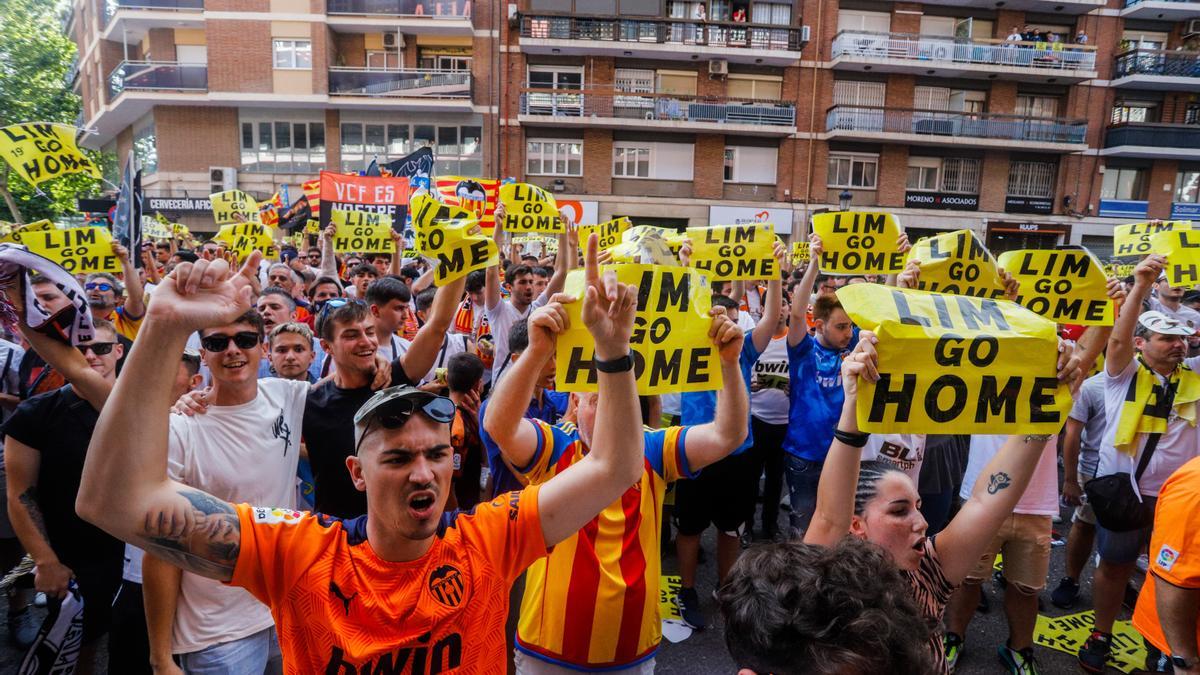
(659, 112)
(130, 19)
(1143, 139)
(951, 57)
(157, 76)
(428, 17)
(1064, 7)
(444, 89)
(1161, 10)
(939, 127)
(761, 44)
(1158, 69)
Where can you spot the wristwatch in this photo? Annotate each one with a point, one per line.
(1183, 662)
(617, 365)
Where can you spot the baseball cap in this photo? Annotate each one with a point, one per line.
(1191, 296)
(1157, 322)
(395, 405)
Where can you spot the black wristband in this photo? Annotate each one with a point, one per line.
(852, 439)
(617, 365)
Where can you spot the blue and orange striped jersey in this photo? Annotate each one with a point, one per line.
(593, 602)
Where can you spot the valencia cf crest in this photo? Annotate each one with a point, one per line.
(446, 584)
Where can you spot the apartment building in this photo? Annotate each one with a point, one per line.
(1033, 122)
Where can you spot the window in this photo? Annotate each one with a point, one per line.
(145, 148)
(383, 60)
(458, 148)
(775, 13)
(856, 93)
(1191, 114)
(550, 77)
(675, 82)
(923, 173)
(871, 22)
(293, 54)
(1123, 183)
(946, 174)
(748, 164)
(631, 162)
(748, 86)
(1031, 179)
(1187, 186)
(1133, 111)
(554, 158)
(852, 171)
(283, 146)
(1044, 107)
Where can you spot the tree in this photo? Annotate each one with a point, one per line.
(34, 59)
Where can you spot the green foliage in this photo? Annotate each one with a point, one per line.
(34, 59)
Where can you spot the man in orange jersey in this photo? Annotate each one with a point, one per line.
(592, 604)
(406, 588)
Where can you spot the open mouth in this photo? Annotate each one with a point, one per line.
(919, 547)
(234, 365)
(421, 504)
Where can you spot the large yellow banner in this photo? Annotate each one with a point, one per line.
(648, 245)
(954, 364)
(734, 252)
(529, 208)
(242, 238)
(608, 233)
(79, 250)
(671, 348)
(361, 232)
(858, 242)
(233, 206)
(13, 234)
(1134, 239)
(1182, 248)
(39, 152)
(957, 263)
(464, 249)
(432, 218)
(1066, 286)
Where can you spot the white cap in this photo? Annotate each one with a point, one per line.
(1157, 322)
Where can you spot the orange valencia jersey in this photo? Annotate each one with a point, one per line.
(1174, 549)
(593, 602)
(342, 610)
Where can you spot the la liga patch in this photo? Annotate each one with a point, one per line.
(1166, 557)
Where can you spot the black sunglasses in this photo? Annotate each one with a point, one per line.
(219, 343)
(98, 348)
(439, 409)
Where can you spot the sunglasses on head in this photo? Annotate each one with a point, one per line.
(98, 286)
(396, 413)
(98, 348)
(219, 343)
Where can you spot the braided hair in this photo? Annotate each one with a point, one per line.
(869, 476)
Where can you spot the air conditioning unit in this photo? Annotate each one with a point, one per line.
(805, 34)
(1193, 28)
(393, 41)
(222, 178)
(718, 67)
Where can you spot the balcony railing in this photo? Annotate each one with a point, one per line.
(955, 124)
(1131, 3)
(658, 107)
(427, 83)
(438, 9)
(111, 6)
(1158, 62)
(1181, 136)
(932, 49)
(157, 76)
(663, 31)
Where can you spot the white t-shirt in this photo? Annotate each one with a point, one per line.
(906, 452)
(500, 320)
(1041, 497)
(1175, 447)
(1184, 314)
(746, 322)
(243, 454)
(452, 343)
(132, 570)
(770, 404)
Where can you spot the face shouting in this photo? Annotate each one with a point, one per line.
(893, 520)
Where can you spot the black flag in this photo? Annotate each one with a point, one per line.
(296, 216)
(417, 163)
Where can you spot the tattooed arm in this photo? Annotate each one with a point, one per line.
(21, 464)
(125, 489)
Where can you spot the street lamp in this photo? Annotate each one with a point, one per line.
(844, 200)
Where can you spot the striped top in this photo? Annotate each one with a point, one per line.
(932, 591)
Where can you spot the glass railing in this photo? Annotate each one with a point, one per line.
(111, 6)
(955, 124)
(438, 9)
(157, 75)
(658, 107)
(1184, 136)
(930, 48)
(428, 83)
(663, 31)
(1131, 3)
(1158, 62)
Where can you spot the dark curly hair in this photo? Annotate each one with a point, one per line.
(797, 608)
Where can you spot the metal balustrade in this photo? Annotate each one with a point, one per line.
(932, 49)
(1183, 136)
(657, 107)
(157, 75)
(437, 9)
(663, 31)
(111, 6)
(1158, 62)
(374, 82)
(955, 124)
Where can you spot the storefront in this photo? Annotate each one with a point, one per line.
(1014, 236)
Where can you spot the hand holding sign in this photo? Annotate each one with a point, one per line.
(862, 363)
(547, 322)
(1149, 269)
(726, 335)
(859, 242)
(608, 307)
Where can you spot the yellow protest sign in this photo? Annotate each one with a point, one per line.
(312, 227)
(361, 232)
(608, 233)
(1182, 248)
(464, 249)
(1066, 286)
(1068, 633)
(734, 252)
(14, 235)
(1119, 271)
(529, 208)
(648, 244)
(858, 242)
(153, 229)
(233, 206)
(242, 238)
(1134, 239)
(79, 250)
(431, 218)
(955, 364)
(671, 348)
(39, 152)
(800, 252)
(957, 263)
